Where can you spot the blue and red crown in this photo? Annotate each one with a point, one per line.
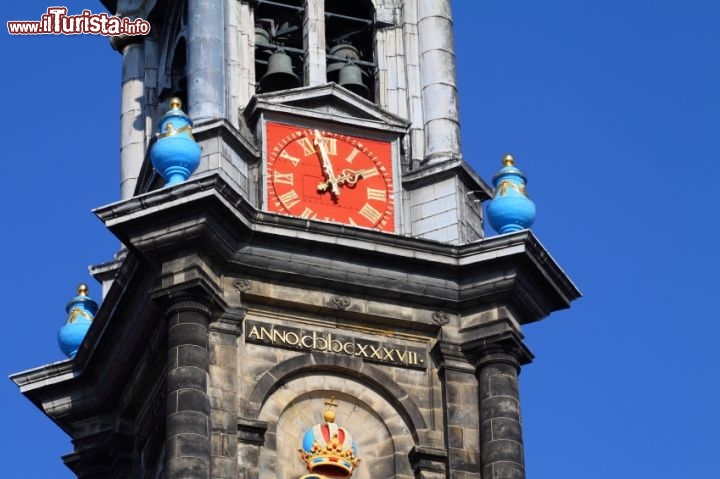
(328, 449)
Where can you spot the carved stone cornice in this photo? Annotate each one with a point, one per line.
(207, 215)
(327, 102)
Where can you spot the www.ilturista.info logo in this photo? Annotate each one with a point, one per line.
(57, 22)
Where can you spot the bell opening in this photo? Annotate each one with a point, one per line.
(278, 31)
(350, 34)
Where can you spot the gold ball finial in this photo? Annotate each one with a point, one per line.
(175, 103)
(82, 289)
(508, 160)
(329, 415)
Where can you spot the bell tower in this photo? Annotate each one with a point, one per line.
(300, 230)
(235, 65)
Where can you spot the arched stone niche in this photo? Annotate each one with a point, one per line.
(382, 436)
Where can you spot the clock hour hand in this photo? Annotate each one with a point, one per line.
(351, 177)
(332, 181)
(347, 177)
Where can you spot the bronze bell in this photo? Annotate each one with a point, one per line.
(262, 37)
(279, 74)
(351, 78)
(345, 51)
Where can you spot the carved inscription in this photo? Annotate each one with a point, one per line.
(307, 340)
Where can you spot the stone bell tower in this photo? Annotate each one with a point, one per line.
(229, 62)
(321, 246)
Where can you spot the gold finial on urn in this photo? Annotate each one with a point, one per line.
(175, 103)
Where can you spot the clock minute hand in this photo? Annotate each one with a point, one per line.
(327, 166)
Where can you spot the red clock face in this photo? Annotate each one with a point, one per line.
(326, 176)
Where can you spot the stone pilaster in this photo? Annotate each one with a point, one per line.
(188, 403)
(223, 395)
(460, 401)
(251, 436)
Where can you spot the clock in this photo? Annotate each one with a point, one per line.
(327, 176)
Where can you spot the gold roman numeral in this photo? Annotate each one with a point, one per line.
(374, 194)
(306, 145)
(284, 178)
(289, 199)
(308, 213)
(290, 158)
(370, 172)
(352, 155)
(370, 213)
(330, 145)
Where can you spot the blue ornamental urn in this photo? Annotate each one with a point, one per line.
(510, 209)
(175, 155)
(80, 313)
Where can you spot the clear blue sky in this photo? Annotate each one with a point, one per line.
(611, 108)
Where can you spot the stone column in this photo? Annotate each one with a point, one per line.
(206, 59)
(188, 403)
(132, 121)
(439, 91)
(500, 429)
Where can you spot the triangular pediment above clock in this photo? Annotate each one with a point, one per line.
(328, 102)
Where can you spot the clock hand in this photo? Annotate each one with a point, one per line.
(327, 166)
(351, 177)
(348, 177)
